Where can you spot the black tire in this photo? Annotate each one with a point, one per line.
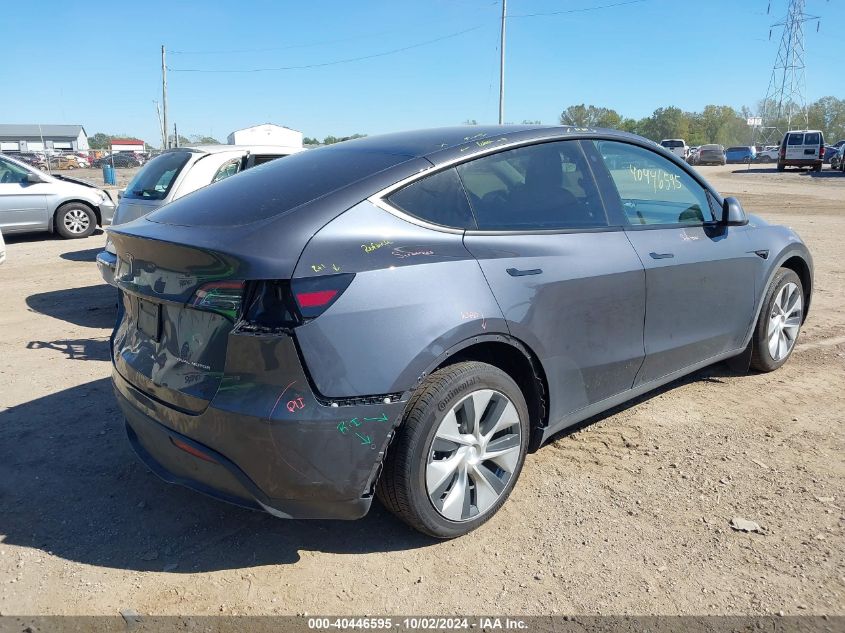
(761, 358)
(402, 486)
(67, 228)
(781, 166)
(818, 168)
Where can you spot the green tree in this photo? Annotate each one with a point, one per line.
(529, 122)
(470, 122)
(590, 116)
(307, 140)
(99, 141)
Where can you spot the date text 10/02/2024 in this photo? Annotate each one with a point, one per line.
(418, 623)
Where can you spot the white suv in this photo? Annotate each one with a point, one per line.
(177, 172)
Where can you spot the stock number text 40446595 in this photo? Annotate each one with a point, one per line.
(657, 178)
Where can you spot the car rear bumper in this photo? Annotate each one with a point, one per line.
(800, 162)
(252, 447)
(106, 208)
(106, 263)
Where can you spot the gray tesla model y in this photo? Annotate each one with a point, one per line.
(408, 315)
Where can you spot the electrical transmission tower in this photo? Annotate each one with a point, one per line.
(785, 100)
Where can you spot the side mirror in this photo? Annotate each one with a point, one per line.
(732, 213)
(33, 178)
(120, 193)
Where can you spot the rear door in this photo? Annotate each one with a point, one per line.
(795, 146)
(565, 276)
(700, 275)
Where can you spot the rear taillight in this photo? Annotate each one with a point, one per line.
(314, 295)
(222, 297)
(273, 305)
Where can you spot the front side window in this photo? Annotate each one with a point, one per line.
(540, 187)
(156, 178)
(11, 173)
(228, 169)
(438, 199)
(653, 190)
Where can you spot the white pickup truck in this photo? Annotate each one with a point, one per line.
(677, 146)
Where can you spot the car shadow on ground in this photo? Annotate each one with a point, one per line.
(825, 173)
(87, 255)
(71, 485)
(755, 170)
(713, 373)
(89, 306)
(38, 236)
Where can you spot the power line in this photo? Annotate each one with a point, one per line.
(331, 63)
(583, 10)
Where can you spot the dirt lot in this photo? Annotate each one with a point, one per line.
(629, 514)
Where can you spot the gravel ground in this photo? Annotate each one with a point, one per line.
(629, 513)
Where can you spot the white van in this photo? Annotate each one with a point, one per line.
(677, 146)
(802, 148)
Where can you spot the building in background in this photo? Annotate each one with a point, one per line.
(267, 134)
(39, 138)
(128, 145)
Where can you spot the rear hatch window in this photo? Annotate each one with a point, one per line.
(275, 187)
(156, 178)
(672, 144)
(812, 138)
(795, 139)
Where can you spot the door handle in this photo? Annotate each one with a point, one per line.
(661, 255)
(515, 272)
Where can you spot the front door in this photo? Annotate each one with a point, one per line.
(567, 280)
(23, 205)
(700, 274)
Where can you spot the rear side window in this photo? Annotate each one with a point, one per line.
(795, 139)
(812, 138)
(228, 169)
(439, 199)
(156, 178)
(540, 187)
(653, 190)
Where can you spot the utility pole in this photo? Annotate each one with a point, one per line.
(502, 65)
(164, 93)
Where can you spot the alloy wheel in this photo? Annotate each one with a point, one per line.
(473, 455)
(784, 321)
(76, 221)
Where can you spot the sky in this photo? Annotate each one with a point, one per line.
(98, 64)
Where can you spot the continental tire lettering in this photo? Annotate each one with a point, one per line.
(455, 391)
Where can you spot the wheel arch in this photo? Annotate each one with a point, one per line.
(93, 208)
(799, 266)
(518, 361)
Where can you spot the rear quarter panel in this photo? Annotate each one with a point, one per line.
(417, 293)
